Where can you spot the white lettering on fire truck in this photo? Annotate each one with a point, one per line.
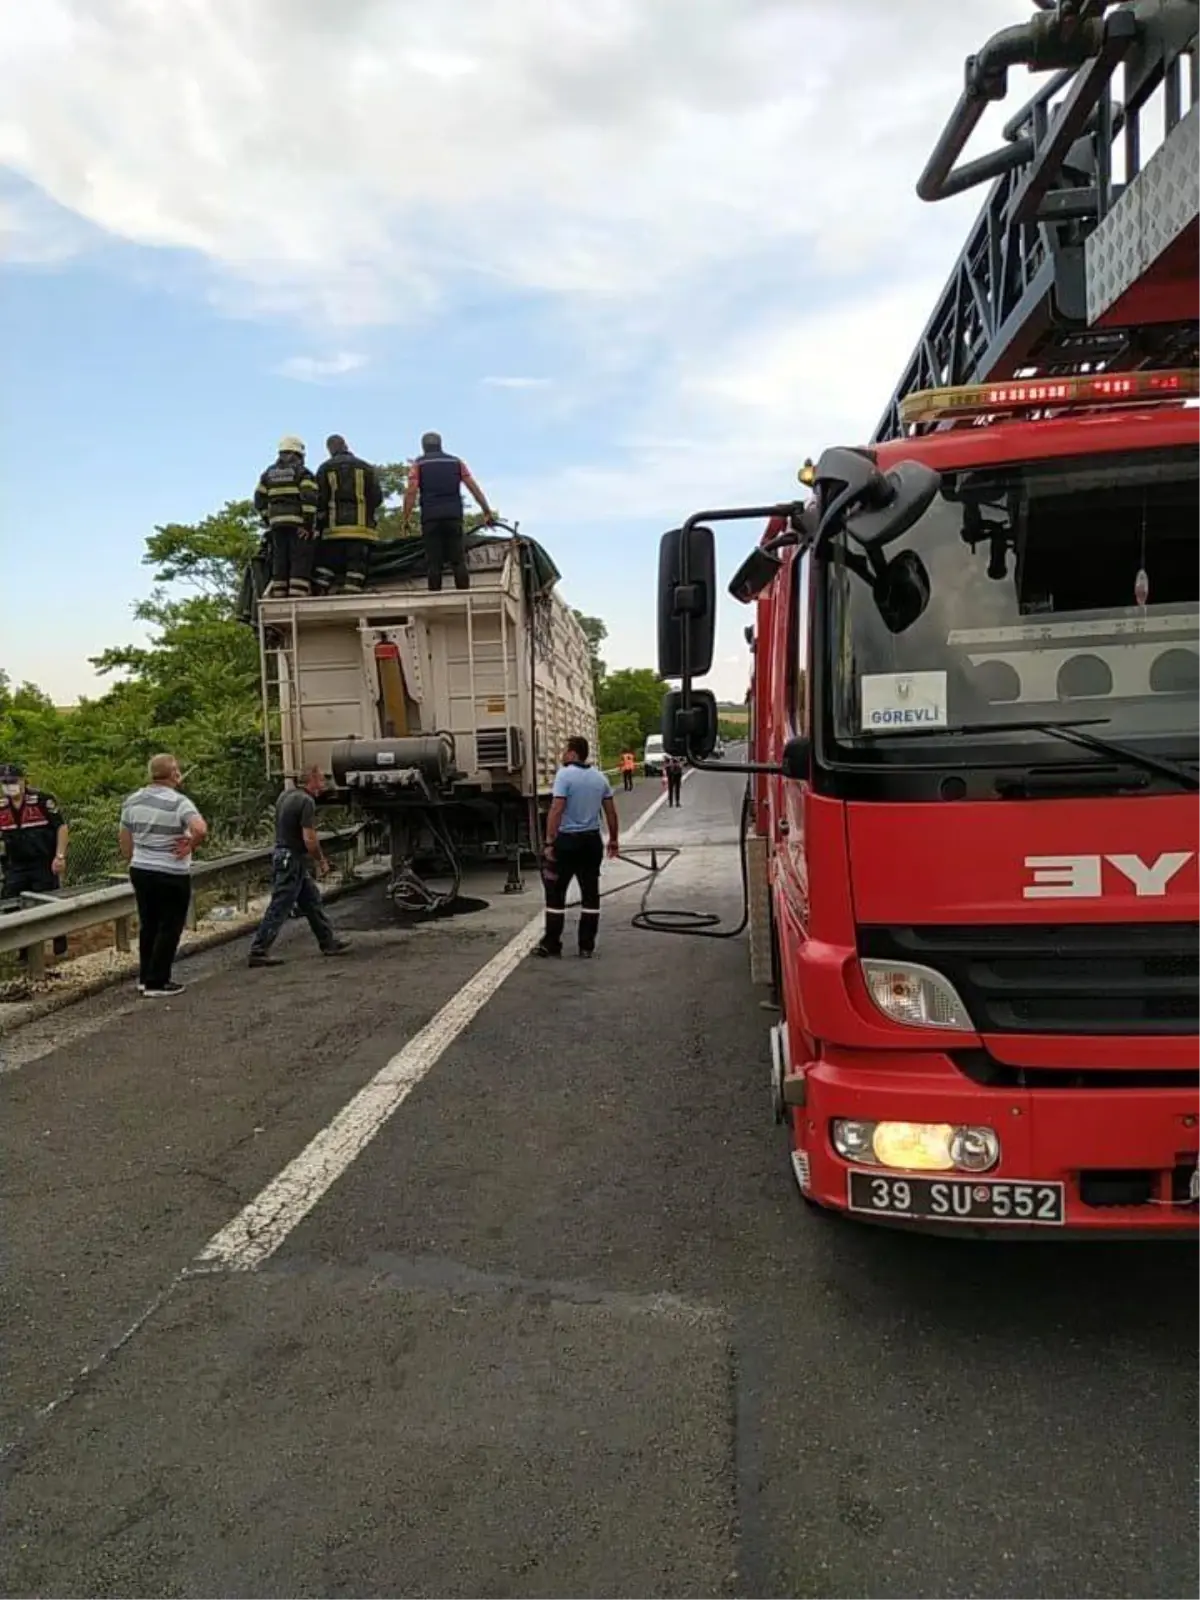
(1082, 877)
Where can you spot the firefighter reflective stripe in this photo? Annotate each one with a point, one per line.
(287, 495)
(350, 498)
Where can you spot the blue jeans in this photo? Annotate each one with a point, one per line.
(292, 887)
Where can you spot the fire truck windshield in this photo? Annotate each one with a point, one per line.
(1058, 590)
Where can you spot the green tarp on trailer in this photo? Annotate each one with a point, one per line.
(395, 560)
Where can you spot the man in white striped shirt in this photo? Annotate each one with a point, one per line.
(159, 830)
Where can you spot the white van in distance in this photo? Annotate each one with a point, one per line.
(653, 756)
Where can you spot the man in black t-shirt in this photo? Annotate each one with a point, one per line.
(297, 853)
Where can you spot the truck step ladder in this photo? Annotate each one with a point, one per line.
(282, 722)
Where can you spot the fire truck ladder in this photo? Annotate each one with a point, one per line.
(1067, 270)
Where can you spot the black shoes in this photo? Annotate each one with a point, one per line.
(262, 959)
(161, 991)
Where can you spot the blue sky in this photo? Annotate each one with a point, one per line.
(625, 270)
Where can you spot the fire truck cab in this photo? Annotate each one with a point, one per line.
(974, 842)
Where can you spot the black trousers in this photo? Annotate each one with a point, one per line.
(674, 786)
(292, 560)
(577, 857)
(627, 780)
(342, 563)
(162, 903)
(444, 547)
(35, 878)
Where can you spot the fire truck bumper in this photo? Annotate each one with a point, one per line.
(921, 1145)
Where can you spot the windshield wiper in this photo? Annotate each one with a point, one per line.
(1071, 733)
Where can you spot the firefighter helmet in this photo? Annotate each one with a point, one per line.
(289, 444)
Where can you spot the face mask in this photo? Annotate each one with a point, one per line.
(12, 791)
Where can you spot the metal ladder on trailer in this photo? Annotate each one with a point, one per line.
(282, 723)
(1067, 270)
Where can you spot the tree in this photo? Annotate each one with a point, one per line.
(196, 687)
(209, 555)
(28, 723)
(595, 633)
(393, 524)
(638, 690)
(619, 731)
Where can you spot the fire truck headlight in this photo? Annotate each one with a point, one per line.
(853, 1140)
(974, 1149)
(917, 996)
(916, 1146)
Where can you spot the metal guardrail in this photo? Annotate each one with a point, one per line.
(64, 913)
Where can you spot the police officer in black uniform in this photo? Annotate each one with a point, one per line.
(286, 500)
(348, 502)
(33, 835)
(437, 479)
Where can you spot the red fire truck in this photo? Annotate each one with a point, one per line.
(972, 823)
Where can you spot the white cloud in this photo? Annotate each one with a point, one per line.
(320, 369)
(611, 152)
(516, 383)
(709, 203)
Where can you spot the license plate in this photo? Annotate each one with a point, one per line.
(957, 1199)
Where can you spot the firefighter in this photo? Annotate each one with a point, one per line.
(437, 479)
(673, 771)
(286, 500)
(33, 835)
(628, 768)
(348, 502)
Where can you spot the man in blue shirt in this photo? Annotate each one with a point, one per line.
(574, 849)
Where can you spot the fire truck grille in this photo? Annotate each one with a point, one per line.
(1080, 978)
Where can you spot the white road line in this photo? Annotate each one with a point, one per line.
(258, 1230)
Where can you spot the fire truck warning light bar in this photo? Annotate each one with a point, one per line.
(1024, 394)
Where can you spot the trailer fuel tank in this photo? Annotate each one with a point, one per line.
(431, 755)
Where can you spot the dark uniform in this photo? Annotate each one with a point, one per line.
(348, 502)
(440, 478)
(286, 499)
(29, 840)
(674, 771)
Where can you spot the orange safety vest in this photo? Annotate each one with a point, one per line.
(627, 763)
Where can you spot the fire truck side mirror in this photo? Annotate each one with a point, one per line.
(687, 601)
(692, 732)
(901, 590)
(901, 498)
(754, 575)
(797, 757)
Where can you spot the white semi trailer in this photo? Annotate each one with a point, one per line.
(442, 714)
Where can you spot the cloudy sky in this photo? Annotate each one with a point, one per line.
(631, 257)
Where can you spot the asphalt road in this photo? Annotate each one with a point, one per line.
(561, 1326)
